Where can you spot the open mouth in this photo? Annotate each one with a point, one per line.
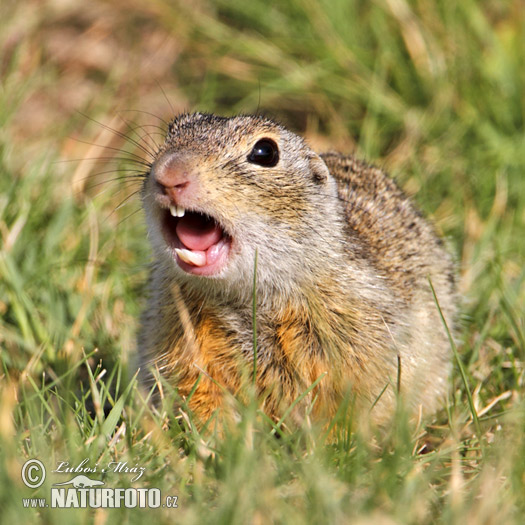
(200, 244)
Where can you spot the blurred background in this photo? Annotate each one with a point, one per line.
(431, 91)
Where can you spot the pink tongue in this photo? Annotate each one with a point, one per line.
(197, 232)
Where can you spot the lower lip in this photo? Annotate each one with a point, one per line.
(208, 270)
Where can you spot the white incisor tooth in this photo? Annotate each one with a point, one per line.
(176, 210)
(189, 257)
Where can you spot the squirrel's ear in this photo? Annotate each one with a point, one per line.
(319, 169)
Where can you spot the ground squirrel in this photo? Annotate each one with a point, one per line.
(342, 279)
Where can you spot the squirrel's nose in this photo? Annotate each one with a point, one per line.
(173, 176)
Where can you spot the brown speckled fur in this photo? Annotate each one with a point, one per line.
(342, 281)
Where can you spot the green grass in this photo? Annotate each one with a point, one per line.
(433, 91)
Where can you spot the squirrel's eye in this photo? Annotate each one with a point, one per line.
(264, 153)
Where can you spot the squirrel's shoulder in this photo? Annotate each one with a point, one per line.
(351, 171)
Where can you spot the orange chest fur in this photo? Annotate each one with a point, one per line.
(290, 358)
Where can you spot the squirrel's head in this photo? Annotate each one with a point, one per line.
(223, 189)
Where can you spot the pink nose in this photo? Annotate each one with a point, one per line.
(174, 176)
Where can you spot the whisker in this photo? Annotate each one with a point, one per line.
(161, 132)
(123, 187)
(131, 195)
(118, 134)
(155, 147)
(133, 171)
(129, 180)
(150, 149)
(166, 97)
(111, 148)
(107, 159)
(130, 215)
(145, 113)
